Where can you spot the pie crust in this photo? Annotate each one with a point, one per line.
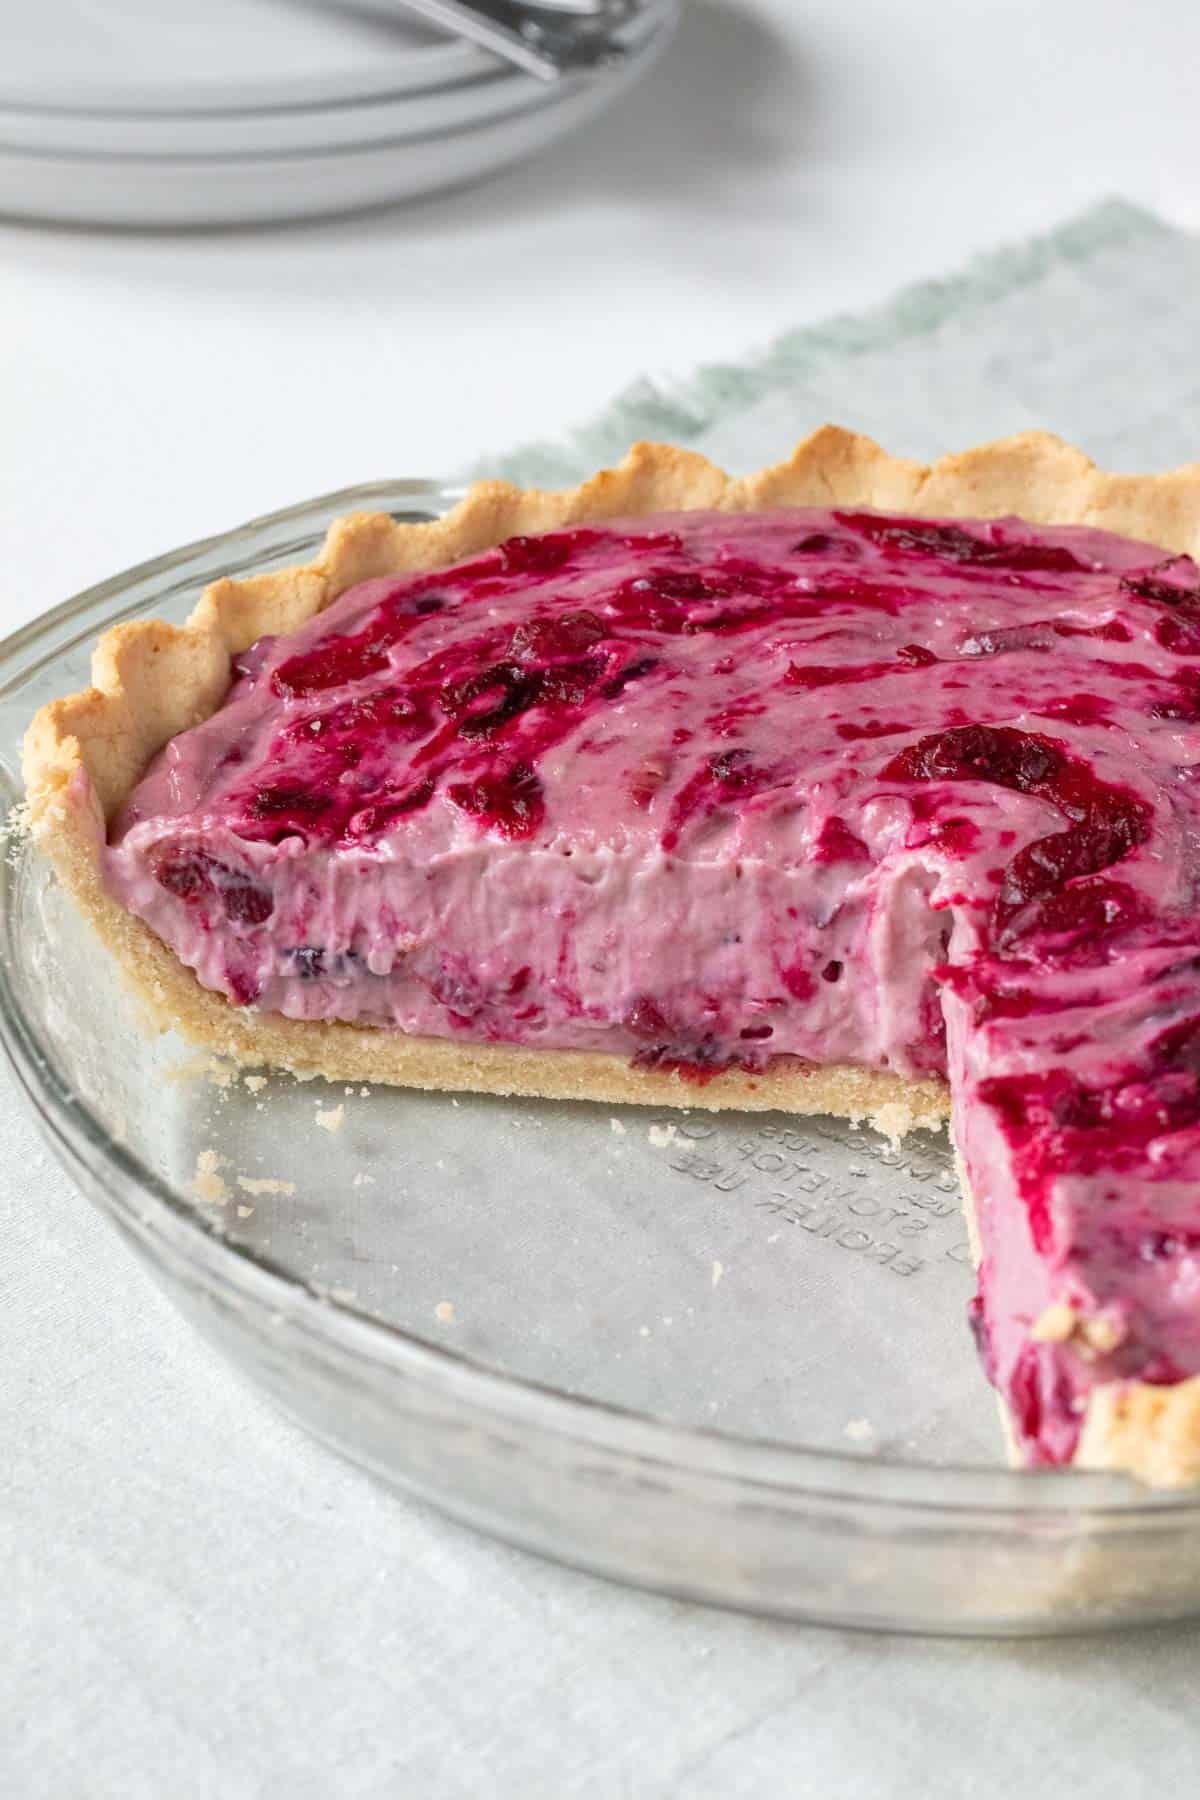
(153, 680)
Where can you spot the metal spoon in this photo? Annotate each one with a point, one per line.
(531, 36)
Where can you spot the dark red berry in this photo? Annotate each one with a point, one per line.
(186, 876)
(815, 543)
(634, 671)
(245, 902)
(954, 544)
(282, 801)
(543, 555)
(645, 1020)
(244, 987)
(510, 801)
(977, 1326)
(798, 982)
(196, 876)
(819, 675)
(541, 640)
(458, 994)
(333, 664)
(836, 843)
(997, 753)
(1173, 583)
(871, 728)
(1025, 1395)
(374, 821)
(726, 776)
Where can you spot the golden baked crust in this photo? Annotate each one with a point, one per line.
(1154, 1431)
(152, 680)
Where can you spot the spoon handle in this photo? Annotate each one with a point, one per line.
(541, 49)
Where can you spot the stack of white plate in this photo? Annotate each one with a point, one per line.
(205, 112)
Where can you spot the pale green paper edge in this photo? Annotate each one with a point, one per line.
(681, 411)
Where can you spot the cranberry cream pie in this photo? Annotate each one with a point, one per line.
(855, 786)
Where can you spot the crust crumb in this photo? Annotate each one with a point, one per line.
(265, 1184)
(893, 1121)
(207, 1184)
(1055, 1325)
(718, 1269)
(221, 1071)
(1091, 1336)
(1098, 1336)
(1103, 1333)
(188, 1070)
(445, 1311)
(332, 1120)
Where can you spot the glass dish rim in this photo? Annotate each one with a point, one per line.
(169, 1228)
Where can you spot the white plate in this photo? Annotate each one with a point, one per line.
(214, 55)
(228, 190)
(383, 119)
(267, 133)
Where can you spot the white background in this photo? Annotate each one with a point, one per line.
(791, 158)
(196, 1602)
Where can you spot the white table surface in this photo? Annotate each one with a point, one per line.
(217, 1608)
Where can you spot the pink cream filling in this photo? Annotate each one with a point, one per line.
(713, 789)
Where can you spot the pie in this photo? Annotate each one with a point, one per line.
(855, 787)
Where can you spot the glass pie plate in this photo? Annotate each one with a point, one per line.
(722, 1356)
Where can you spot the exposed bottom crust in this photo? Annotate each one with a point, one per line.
(1150, 1432)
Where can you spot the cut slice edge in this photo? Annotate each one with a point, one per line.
(152, 680)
